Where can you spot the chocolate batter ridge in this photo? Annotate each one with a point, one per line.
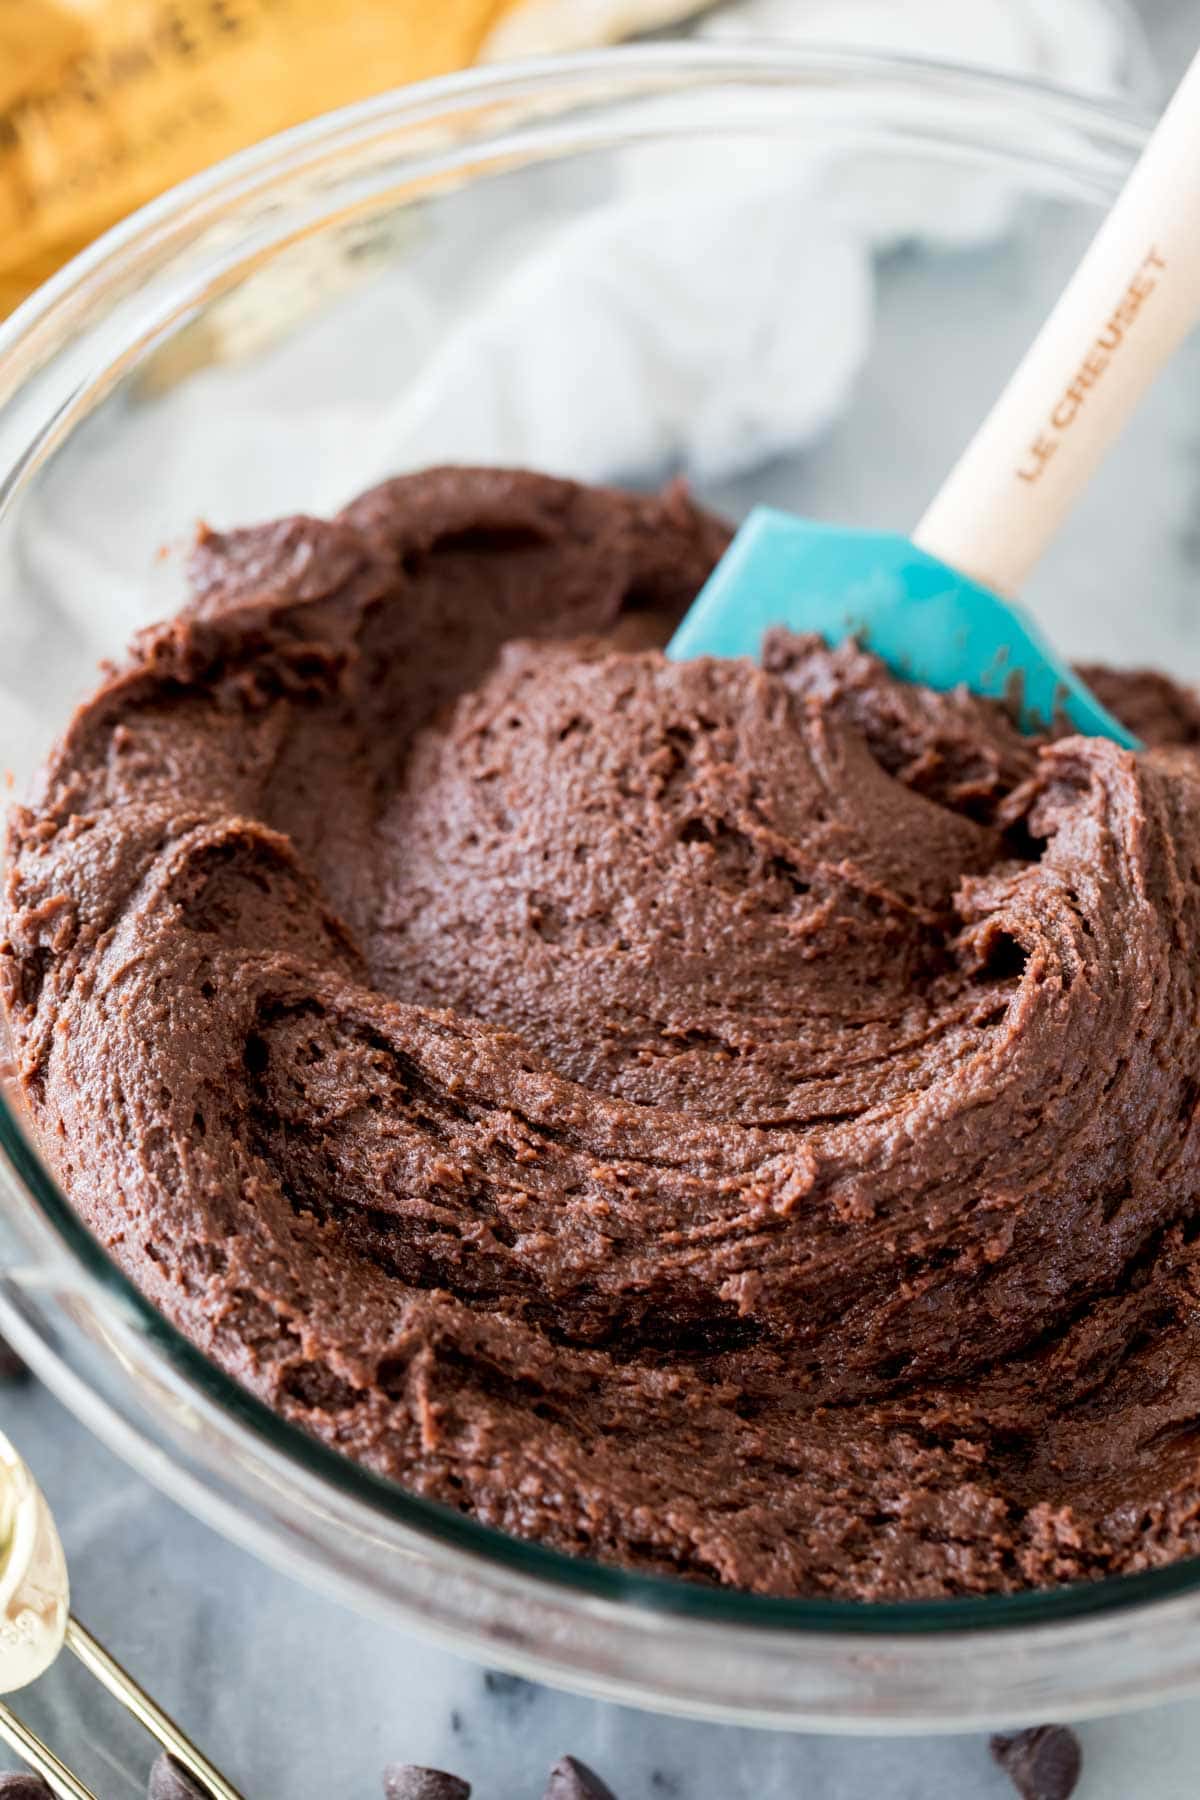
(738, 1121)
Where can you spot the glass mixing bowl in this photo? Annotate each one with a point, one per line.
(263, 339)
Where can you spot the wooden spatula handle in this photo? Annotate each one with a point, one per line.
(1131, 301)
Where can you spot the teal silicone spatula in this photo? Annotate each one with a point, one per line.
(937, 608)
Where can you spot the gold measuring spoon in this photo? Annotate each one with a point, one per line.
(36, 1623)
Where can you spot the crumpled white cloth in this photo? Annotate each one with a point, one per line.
(678, 328)
(712, 311)
(724, 320)
(1086, 44)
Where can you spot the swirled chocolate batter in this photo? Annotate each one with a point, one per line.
(731, 1120)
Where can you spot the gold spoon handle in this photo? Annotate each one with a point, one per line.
(40, 1758)
(38, 1624)
(134, 1698)
(109, 1673)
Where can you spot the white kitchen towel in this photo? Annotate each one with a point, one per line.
(1094, 45)
(716, 310)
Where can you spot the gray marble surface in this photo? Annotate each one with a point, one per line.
(298, 1699)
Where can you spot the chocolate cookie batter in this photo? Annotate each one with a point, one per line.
(731, 1120)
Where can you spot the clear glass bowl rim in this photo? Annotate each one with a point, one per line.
(1113, 133)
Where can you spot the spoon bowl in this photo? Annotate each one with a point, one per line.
(34, 1586)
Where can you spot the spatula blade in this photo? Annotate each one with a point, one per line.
(926, 621)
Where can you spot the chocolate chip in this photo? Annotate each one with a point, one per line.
(168, 1781)
(13, 1369)
(405, 1781)
(497, 1682)
(573, 1780)
(24, 1787)
(1042, 1764)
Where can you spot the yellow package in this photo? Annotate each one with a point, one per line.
(103, 103)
